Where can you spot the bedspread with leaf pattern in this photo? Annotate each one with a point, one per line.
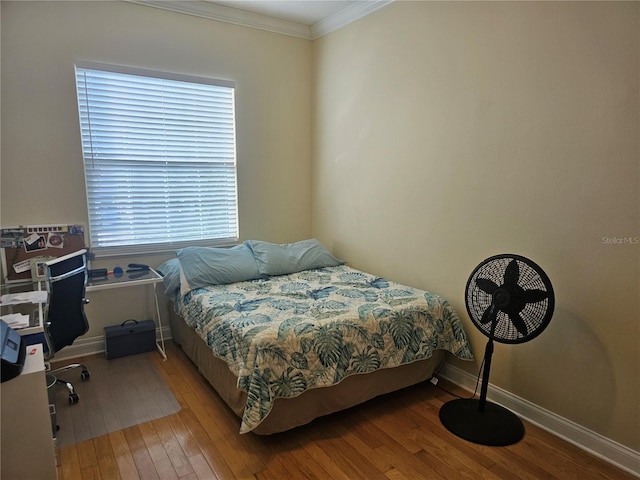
(287, 334)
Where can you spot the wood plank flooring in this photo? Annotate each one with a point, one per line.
(395, 437)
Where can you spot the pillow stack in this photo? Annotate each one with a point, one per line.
(197, 267)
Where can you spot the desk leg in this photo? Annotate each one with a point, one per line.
(160, 344)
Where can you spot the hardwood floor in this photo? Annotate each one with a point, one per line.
(395, 437)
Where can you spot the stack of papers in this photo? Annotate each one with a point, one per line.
(16, 320)
(37, 296)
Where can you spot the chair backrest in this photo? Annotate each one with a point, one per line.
(66, 280)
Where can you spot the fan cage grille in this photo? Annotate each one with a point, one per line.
(536, 316)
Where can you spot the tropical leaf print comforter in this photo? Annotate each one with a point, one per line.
(287, 334)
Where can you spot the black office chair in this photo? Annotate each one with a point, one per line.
(65, 318)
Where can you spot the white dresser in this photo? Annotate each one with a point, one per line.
(26, 440)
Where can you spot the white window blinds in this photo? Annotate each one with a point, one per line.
(159, 159)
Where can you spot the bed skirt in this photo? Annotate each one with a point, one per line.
(288, 413)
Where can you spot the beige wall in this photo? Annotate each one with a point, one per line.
(442, 133)
(42, 179)
(447, 132)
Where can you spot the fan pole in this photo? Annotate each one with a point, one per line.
(488, 353)
(479, 421)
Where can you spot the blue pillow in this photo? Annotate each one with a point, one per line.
(170, 271)
(282, 259)
(202, 266)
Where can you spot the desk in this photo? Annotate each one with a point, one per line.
(132, 279)
(26, 443)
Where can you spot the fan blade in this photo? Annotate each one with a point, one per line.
(512, 274)
(487, 286)
(489, 314)
(518, 322)
(534, 295)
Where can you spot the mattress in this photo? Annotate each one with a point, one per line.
(288, 413)
(286, 349)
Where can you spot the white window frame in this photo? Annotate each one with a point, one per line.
(119, 157)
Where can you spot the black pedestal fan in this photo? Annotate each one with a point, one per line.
(510, 300)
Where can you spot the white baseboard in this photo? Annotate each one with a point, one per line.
(594, 443)
(91, 345)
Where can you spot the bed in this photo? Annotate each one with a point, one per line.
(286, 333)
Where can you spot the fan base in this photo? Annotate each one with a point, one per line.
(495, 426)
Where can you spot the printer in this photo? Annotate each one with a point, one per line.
(12, 352)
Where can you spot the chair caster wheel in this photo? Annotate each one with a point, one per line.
(73, 398)
(84, 375)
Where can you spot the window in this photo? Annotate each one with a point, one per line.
(159, 159)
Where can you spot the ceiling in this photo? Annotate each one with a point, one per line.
(305, 12)
(308, 19)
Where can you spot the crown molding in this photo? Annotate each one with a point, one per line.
(346, 16)
(213, 11)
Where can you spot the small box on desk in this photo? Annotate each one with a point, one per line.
(129, 338)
